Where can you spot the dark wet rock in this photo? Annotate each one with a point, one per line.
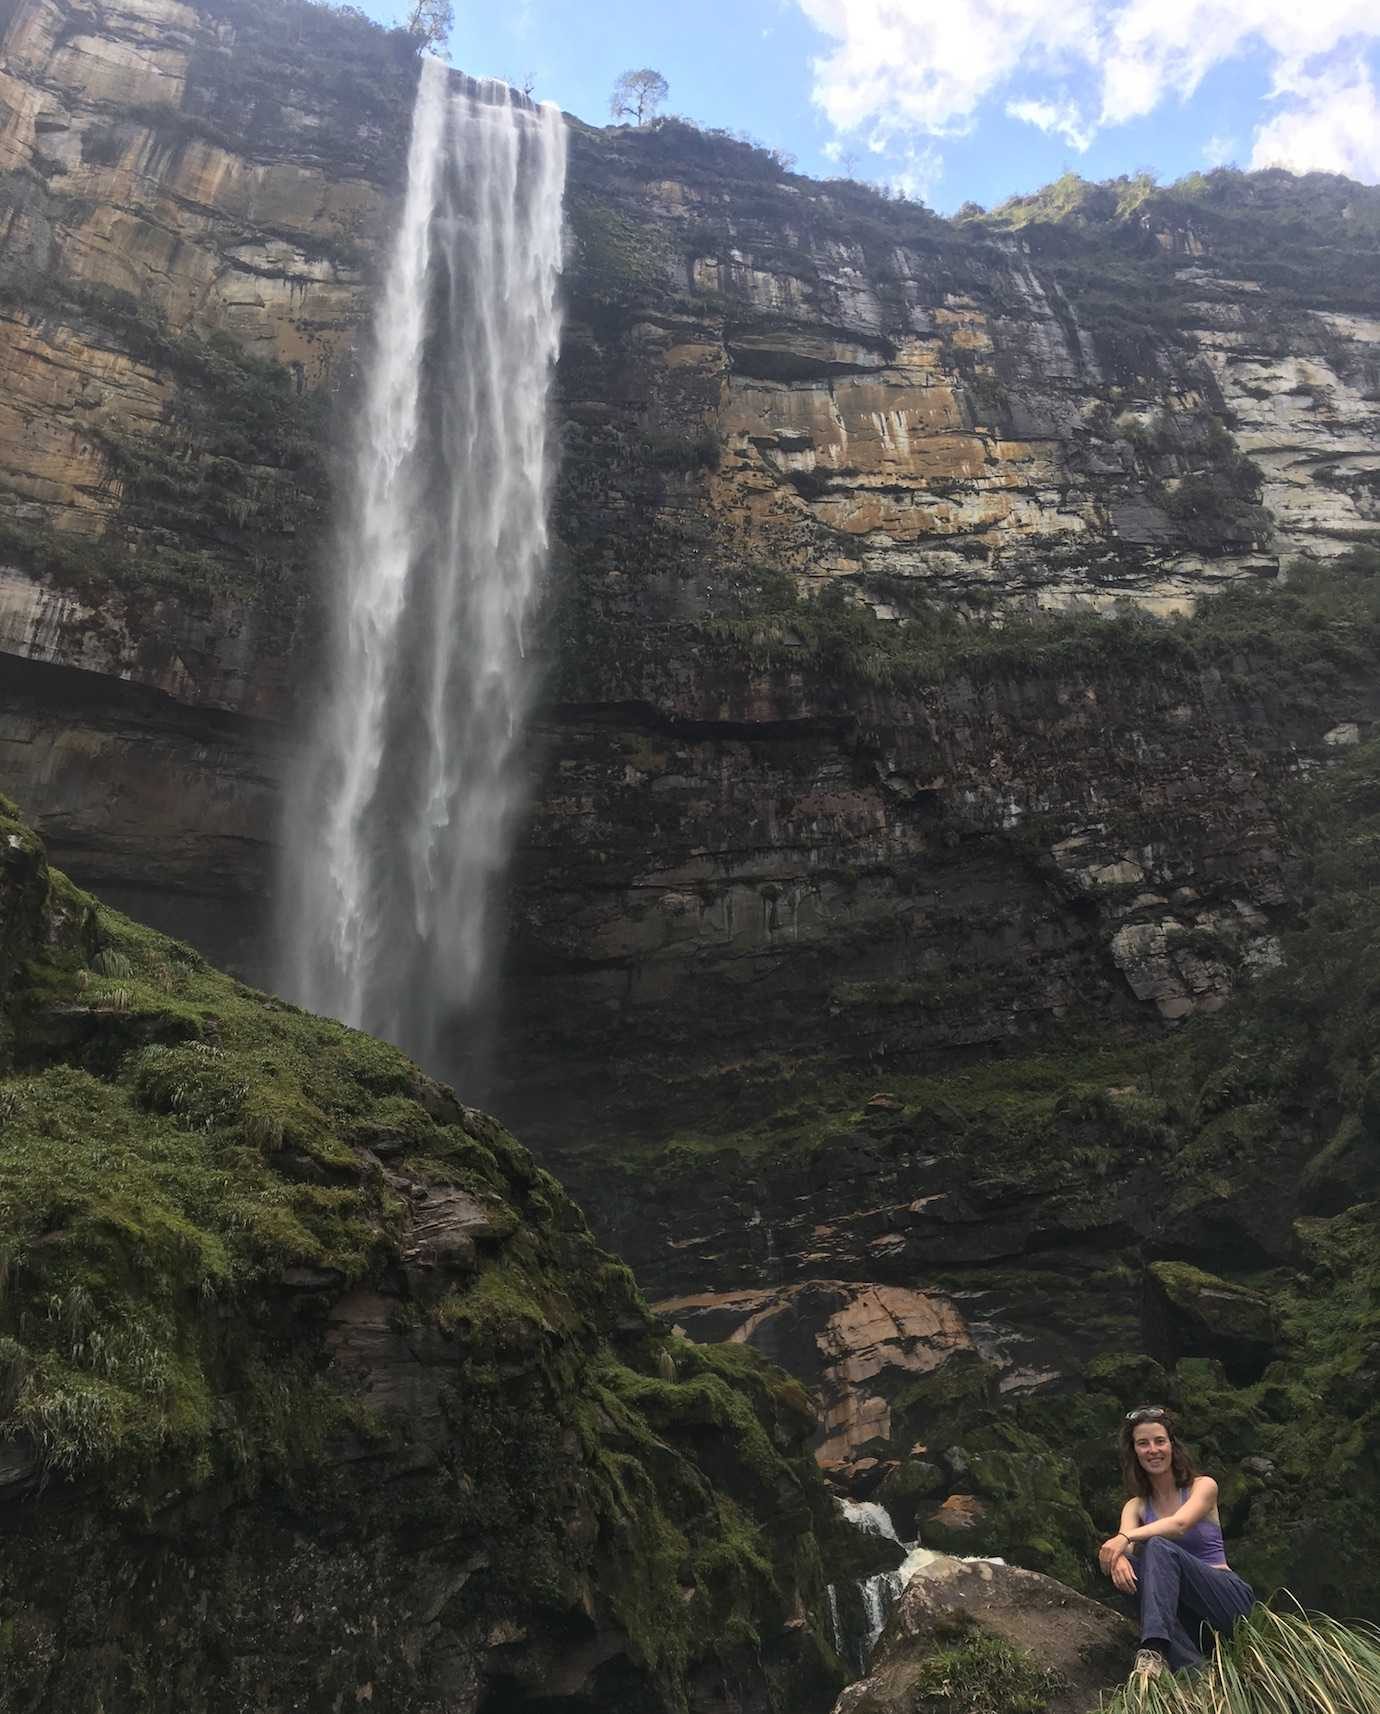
(1190, 1313)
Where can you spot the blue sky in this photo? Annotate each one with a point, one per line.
(957, 100)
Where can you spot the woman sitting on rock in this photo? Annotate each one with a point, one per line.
(1179, 1573)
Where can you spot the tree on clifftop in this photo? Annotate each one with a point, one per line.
(637, 95)
(431, 21)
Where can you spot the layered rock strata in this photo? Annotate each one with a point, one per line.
(879, 746)
(771, 390)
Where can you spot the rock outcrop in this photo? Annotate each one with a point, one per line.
(839, 1339)
(1018, 1639)
(316, 1391)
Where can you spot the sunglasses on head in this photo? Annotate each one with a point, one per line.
(1146, 1413)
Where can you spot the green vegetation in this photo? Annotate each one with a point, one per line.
(618, 256)
(229, 496)
(206, 1198)
(1273, 1663)
(697, 450)
(1311, 238)
(993, 1112)
(1297, 1058)
(979, 1673)
(1077, 200)
(355, 76)
(1322, 623)
(1245, 1144)
(1116, 252)
(226, 497)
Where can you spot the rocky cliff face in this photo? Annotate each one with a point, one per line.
(192, 197)
(786, 408)
(930, 675)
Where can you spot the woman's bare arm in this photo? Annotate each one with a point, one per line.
(1112, 1554)
(1202, 1497)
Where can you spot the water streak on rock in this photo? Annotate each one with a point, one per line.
(402, 821)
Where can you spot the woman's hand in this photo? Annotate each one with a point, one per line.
(1112, 1553)
(1123, 1575)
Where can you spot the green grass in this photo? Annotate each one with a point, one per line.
(983, 1674)
(1016, 1097)
(1273, 1663)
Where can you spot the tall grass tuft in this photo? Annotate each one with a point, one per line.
(1273, 1663)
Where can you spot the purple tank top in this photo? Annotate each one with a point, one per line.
(1203, 1540)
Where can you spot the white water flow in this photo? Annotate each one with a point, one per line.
(879, 1593)
(404, 816)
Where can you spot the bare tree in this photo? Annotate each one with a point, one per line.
(430, 21)
(637, 95)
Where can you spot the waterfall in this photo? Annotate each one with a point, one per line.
(878, 1594)
(401, 821)
(870, 1518)
(881, 1593)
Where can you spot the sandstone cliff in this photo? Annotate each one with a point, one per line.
(924, 714)
(812, 442)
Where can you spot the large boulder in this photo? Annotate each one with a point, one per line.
(1190, 1313)
(964, 1622)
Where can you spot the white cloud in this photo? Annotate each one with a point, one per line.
(898, 69)
(1219, 150)
(1333, 126)
(1153, 49)
(925, 65)
(920, 173)
(1056, 118)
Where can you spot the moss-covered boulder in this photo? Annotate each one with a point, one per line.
(906, 1490)
(315, 1391)
(1190, 1313)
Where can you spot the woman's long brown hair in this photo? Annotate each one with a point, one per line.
(1137, 1482)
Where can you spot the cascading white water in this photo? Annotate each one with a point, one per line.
(879, 1593)
(402, 819)
(870, 1518)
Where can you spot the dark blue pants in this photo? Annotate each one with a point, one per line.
(1178, 1594)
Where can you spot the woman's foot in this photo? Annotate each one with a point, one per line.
(1149, 1664)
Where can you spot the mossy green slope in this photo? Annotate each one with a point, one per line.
(315, 1388)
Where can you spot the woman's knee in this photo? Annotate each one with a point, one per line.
(1158, 1547)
